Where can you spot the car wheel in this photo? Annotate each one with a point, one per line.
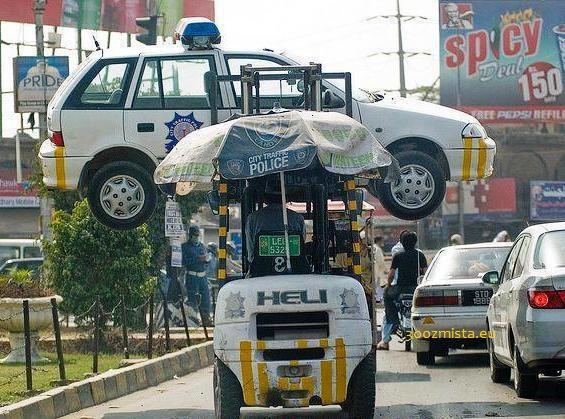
(418, 192)
(425, 358)
(525, 382)
(361, 389)
(499, 373)
(122, 195)
(228, 396)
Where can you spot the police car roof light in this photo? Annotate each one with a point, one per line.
(197, 33)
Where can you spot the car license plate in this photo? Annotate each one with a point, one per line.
(476, 297)
(274, 245)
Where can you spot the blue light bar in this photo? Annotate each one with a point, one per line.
(197, 32)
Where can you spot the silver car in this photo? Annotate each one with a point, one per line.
(527, 312)
(449, 306)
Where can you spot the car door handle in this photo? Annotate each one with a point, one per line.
(145, 127)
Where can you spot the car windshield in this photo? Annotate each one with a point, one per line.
(466, 263)
(550, 251)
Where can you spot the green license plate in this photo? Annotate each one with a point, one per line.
(274, 245)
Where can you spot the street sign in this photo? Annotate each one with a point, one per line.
(174, 226)
(176, 253)
(36, 80)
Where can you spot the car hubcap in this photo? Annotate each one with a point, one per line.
(415, 187)
(122, 197)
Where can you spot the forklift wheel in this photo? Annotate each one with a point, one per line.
(228, 397)
(360, 403)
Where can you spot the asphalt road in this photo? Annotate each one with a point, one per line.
(458, 386)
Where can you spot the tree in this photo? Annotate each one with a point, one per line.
(86, 260)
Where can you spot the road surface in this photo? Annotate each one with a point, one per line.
(456, 387)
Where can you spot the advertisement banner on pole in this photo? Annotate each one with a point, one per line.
(14, 194)
(36, 80)
(176, 253)
(503, 61)
(547, 200)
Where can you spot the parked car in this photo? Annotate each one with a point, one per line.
(29, 264)
(450, 304)
(19, 248)
(123, 110)
(527, 312)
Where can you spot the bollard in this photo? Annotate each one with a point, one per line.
(185, 323)
(166, 318)
(27, 344)
(125, 329)
(150, 330)
(96, 336)
(58, 343)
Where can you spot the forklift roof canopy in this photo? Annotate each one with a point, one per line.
(247, 147)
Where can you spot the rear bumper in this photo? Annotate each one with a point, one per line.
(474, 161)
(542, 342)
(59, 170)
(269, 383)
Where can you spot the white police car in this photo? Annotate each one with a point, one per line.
(122, 110)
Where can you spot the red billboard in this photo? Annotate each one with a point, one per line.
(14, 194)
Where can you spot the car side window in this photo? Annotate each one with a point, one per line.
(521, 259)
(506, 274)
(105, 86)
(32, 252)
(175, 83)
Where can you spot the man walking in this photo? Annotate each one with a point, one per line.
(196, 281)
(379, 267)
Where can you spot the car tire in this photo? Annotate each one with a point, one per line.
(122, 195)
(499, 372)
(425, 358)
(525, 382)
(228, 396)
(421, 175)
(360, 403)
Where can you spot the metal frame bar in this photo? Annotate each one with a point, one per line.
(352, 210)
(223, 230)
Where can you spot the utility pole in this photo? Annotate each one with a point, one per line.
(45, 204)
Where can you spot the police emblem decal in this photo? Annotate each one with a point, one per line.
(234, 306)
(235, 167)
(349, 302)
(179, 127)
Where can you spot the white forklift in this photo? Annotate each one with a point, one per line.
(292, 331)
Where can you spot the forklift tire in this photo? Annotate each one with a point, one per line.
(418, 192)
(228, 396)
(122, 195)
(425, 358)
(360, 403)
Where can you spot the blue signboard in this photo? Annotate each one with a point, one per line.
(36, 80)
(547, 200)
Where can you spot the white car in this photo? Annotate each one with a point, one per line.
(450, 305)
(123, 110)
(527, 312)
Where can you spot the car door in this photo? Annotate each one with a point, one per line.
(286, 94)
(500, 300)
(92, 117)
(513, 294)
(171, 100)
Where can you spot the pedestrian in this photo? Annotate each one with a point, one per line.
(212, 259)
(379, 267)
(407, 266)
(455, 240)
(502, 236)
(367, 279)
(196, 282)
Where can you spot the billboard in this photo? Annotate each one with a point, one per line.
(547, 200)
(36, 80)
(484, 199)
(14, 194)
(503, 60)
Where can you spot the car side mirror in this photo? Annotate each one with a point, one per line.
(214, 201)
(491, 278)
(420, 279)
(332, 101)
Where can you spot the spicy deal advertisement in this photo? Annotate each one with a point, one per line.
(503, 60)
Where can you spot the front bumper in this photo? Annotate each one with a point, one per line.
(59, 170)
(474, 161)
(269, 383)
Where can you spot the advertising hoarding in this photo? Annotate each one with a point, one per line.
(503, 60)
(36, 80)
(14, 194)
(547, 200)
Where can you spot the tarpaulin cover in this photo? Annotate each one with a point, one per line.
(259, 145)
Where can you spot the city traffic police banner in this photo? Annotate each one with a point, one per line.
(503, 60)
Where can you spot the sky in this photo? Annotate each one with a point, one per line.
(342, 35)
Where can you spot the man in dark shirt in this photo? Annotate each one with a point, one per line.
(410, 264)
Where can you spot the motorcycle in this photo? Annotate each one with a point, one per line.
(404, 306)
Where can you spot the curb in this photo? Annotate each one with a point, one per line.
(111, 384)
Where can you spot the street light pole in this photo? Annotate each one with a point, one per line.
(400, 51)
